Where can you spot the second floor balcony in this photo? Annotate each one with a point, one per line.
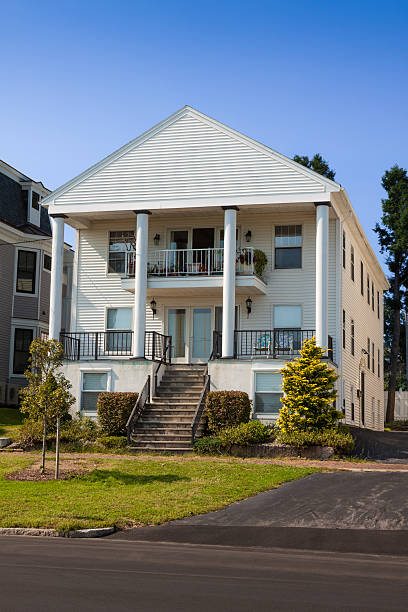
(170, 270)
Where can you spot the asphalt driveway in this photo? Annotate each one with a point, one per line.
(341, 511)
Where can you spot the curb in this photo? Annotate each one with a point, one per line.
(99, 532)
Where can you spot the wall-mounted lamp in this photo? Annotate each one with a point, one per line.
(156, 239)
(153, 306)
(248, 303)
(248, 236)
(364, 352)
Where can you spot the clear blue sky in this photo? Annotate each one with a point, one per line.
(79, 79)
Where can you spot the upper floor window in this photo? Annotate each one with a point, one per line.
(362, 278)
(378, 304)
(288, 246)
(344, 250)
(378, 363)
(368, 353)
(120, 243)
(26, 271)
(372, 358)
(352, 262)
(372, 295)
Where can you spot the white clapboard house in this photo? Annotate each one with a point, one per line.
(203, 260)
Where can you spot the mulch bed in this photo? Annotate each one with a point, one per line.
(68, 469)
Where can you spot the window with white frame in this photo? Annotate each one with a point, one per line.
(288, 319)
(120, 244)
(26, 272)
(352, 262)
(352, 402)
(118, 327)
(288, 246)
(268, 391)
(92, 384)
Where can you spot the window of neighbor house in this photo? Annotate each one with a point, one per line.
(378, 304)
(26, 271)
(268, 391)
(288, 246)
(120, 243)
(93, 383)
(352, 402)
(344, 329)
(35, 200)
(22, 341)
(352, 349)
(352, 262)
(368, 353)
(344, 250)
(47, 262)
(378, 363)
(368, 289)
(372, 296)
(362, 278)
(372, 358)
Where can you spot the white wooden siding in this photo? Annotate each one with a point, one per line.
(191, 158)
(366, 325)
(98, 290)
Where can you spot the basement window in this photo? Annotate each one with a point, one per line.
(268, 391)
(92, 384)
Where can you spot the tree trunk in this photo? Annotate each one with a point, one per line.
(394, 350)
(43, 445)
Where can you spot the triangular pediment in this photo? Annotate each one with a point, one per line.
(190, 156)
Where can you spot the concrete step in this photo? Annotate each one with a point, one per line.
(176, 397)
(180, 403)
(157, 445)
(157, 428)
(147, 436)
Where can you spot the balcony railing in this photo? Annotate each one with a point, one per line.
(271, 343)
(191, 262)
(99, 345)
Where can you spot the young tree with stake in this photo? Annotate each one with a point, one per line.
(47, 395)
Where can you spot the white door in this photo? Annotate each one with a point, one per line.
(201, 336)
(177, 329)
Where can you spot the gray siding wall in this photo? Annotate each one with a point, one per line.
(25, 307)
(6, 301)
(45, 281)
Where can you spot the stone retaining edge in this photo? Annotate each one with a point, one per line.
(54, 533)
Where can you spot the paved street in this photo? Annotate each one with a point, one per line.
(49, 574)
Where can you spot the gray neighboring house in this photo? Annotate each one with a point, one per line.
(25, 272)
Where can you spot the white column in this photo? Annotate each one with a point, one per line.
(228, 292)
(57, 253)
(322, 267)
(139, 321)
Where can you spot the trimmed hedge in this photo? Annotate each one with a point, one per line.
(338, 438)
(253, 432)
(209, 446)
(114, 409)
(227, 408)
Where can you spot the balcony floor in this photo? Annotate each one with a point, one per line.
(174, 286)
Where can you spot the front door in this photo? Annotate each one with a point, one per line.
(177, 324)
(201, 339)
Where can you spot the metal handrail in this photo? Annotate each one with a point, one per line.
(142, 400)
(200, 407)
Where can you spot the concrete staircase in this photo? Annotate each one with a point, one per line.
(165, 423)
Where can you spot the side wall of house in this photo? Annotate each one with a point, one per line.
(368, 324)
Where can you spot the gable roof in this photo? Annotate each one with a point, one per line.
(189, 155)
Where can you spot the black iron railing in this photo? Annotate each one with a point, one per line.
(270, 343)
(97, 345)
(157, 347)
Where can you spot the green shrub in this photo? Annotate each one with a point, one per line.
(113, 442)
(114, 409)
(226, 408)
(253, 432)
(208, 446)
(30, 433)
(81, 431)
(341, 440)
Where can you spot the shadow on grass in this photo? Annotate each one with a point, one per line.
(118, 477)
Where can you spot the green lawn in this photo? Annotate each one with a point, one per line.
(10, 421)
(133, 491)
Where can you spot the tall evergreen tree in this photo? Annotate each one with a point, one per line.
(317, 164)
(393, 239)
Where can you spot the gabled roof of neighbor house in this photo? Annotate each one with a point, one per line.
(190, 155)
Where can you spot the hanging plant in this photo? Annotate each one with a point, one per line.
(260, 262)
